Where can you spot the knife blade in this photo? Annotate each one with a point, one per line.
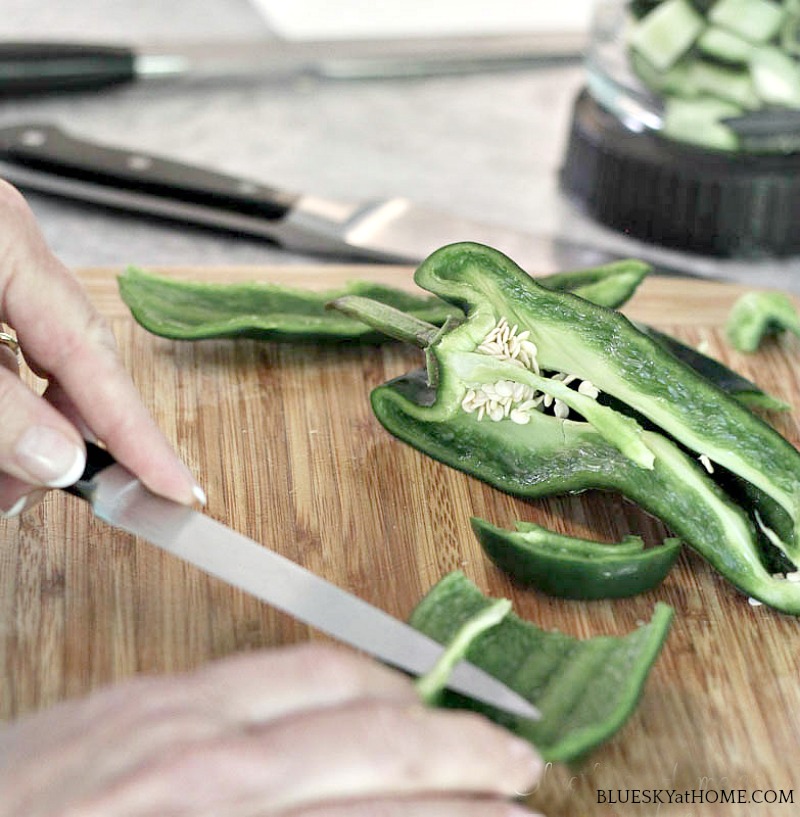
(118, 498)
(30, 67)
(43, 158)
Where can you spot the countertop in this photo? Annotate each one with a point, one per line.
(486, 146)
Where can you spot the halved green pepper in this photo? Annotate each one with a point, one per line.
(574, 568)
(666, 471)
(732, 383)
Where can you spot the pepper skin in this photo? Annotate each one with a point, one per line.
(573, 568)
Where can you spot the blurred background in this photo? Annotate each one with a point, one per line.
(484, 144)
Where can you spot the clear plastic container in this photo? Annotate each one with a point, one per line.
(720, 74)
(688, 132)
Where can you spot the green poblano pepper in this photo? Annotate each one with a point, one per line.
(501, 403)
(197, 310)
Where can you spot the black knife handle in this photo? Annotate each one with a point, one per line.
(97, 460)
(48, 149)
(46, 67)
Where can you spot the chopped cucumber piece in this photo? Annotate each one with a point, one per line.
(698, 121)
(755, 20)
(729, 84)
(776, 77)
(725, 46)
(790, 36)
(678, 80)
(665, 34)
(744, 53)
(790, 30)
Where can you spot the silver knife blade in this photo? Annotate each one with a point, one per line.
(118, 498)
(359, 58)
(45, 159)
(49, 66)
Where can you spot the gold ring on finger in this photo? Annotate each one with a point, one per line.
(10, 342)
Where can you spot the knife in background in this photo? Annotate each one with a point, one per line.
(47, 67)
(45, 159)
(119, 499)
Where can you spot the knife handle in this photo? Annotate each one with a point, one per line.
(45, 67)
(97, 460)
(49, 150)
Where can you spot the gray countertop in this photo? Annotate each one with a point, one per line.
(486, 146)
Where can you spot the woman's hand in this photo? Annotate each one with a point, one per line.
(304, 731)
(307, 730)
(89, 393)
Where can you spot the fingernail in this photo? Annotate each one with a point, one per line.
(16, 509)
(200, 495)
(22, 504)
(49, 457)
(197, 493)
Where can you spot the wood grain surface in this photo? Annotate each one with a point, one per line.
(284, 442)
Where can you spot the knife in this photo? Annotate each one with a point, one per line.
(29, 67)
(43, 158)
(119, 498)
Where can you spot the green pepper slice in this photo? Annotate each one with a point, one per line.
(693, 426)
(611, 285)
(193, 310)
(573, 568)
(585, 689)
(757, 315)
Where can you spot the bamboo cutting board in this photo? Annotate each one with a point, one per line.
(284, 442)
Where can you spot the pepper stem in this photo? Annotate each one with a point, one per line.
(392, 322)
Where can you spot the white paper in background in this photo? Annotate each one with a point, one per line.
(345, 19)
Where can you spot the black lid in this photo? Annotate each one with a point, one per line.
(677, 195)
